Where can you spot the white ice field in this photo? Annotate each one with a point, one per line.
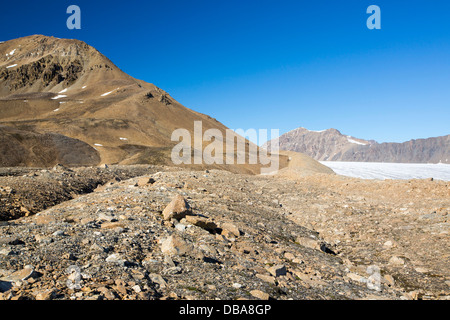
(384, 170)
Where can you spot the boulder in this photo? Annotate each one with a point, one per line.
(201, 222)
(229, 229)
(260, 294)
(277, 270)
(178, 208)
(175, 245)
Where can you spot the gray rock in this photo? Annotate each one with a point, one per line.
(116, 259)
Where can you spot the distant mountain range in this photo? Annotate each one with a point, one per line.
(332, 145)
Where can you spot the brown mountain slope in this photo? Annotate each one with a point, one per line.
(68, 87)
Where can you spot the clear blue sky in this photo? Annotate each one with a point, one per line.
(274, 64)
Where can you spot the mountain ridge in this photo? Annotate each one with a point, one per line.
(332, 145)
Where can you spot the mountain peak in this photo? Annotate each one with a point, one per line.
(40, 63)
(330, 130)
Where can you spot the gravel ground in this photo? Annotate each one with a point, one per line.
(150, 232)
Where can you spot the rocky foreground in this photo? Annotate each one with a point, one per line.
(148, 232)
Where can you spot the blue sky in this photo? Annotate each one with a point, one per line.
(274, 64)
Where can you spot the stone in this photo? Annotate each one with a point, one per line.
(413, 295)
(107, 293)
(138, 274)
(229, 229)
(168, 261)
(120, 289)
(58, 233)
(25, 211)
(180, 227)
(389, 279)
(60, 167)
(388, 244)
(397, 261)
(97, 248)
(175, 245)
(144, 181)
(112, 225)
(176, 209)
(277, 270)
(172, 270)
(106, 217)
(308, 243)
(136, 288)
(48, 294)
(354, 277)
(266, 278)
(86, 220)
(289, 256)
(20, 275)
(116, 259)
(260, 294)
(156, 278)
(201, 222)
(5, 251)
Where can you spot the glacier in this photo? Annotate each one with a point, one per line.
(385, 170)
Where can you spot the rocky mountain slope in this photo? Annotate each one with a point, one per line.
(66, 87)
(179, 234)
(332, 145)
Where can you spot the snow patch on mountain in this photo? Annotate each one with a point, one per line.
(59, 96)
(349, 139)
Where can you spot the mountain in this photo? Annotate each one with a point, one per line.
(63, 87)
(332, 145)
